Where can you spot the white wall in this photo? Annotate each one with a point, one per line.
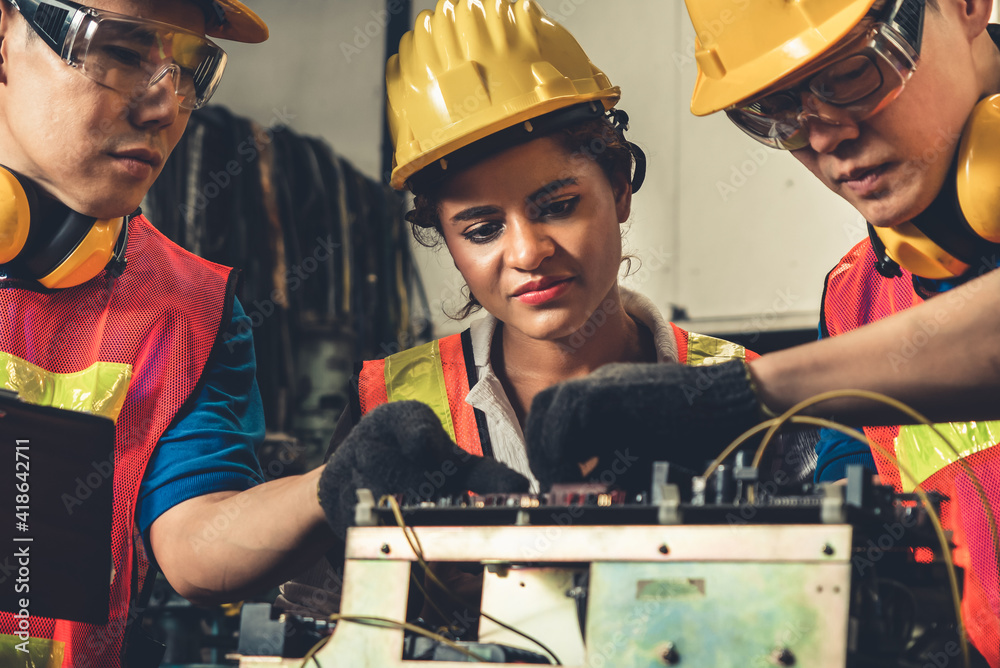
(321, 68)
(738, 236)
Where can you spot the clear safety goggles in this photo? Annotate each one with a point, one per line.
(128, 54)
(861, 83)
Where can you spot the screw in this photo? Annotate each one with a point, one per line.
(782, 657)
(670, 656)
(664, 549)
(385, 548)
(828, 550)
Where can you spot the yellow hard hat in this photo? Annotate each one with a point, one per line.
(472, 68)
(236, 21)
(744, 46)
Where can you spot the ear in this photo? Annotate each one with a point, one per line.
(6, 12)
(622, 190)
(974, 15)
(8, 26)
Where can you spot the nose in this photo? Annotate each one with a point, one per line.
(158, 104)
(529, 244)
(828, 125)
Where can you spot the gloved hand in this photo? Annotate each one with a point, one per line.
(401, 448)
(631, 415)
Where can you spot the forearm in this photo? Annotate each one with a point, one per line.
(226, 546)
(942, 358)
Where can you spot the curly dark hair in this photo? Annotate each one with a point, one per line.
(597, 139)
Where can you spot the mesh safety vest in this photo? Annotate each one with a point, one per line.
(440, 374)
(856, 294)
(133, 349)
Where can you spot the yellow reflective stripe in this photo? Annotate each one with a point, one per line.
(417, 374)
(99, 389)
(922, 453)
(41, 652)
(706, 350)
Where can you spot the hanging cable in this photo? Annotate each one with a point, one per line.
(411, 537)
(918, 417)
(384, 622)
(773, 425)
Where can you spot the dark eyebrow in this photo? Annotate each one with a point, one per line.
(475, 212)
(550, 188)
(481, 211)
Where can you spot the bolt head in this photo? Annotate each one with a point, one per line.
(669, 655)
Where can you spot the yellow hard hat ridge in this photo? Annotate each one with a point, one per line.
(744, 46)
(472, 68)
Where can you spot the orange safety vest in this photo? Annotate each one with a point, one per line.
(131, 348)
(856, 294)
(441, 372)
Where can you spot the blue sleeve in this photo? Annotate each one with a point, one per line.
(214, 447)
(835, 451)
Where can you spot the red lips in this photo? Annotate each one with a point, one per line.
(543, 289)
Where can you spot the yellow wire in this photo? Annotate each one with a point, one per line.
(427, 597)
(314, 650)
(942, 538)
(775, 424)
(383, 622)
(740, 440)
(418, 550)
(877, 397)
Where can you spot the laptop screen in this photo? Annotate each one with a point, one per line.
(56, 473)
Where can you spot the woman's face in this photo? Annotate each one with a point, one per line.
(535, 233)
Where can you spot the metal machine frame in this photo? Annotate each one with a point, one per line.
(633, 569)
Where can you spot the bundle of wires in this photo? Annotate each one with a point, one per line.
(792, 416)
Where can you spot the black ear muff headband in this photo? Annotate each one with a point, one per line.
(43, 240)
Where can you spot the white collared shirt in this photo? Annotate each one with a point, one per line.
(488, 395)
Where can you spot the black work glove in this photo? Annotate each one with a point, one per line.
(631, 415)
(401, 448)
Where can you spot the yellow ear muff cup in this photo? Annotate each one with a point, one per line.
(89, 258)
(912, 250)
(15, 216)
(979, 170)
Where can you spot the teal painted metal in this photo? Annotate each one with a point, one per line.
(721, 614)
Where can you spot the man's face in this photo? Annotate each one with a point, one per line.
(96, 150)
(892, 165)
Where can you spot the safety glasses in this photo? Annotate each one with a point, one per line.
(866, 75)
(128, 54)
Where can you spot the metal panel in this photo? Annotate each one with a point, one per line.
(376, 589)
(783, 543)
(723, 595)
(717, 614)
(536, 599)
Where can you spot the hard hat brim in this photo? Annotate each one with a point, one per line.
(713, 94)
(401, 174)
(241, 24)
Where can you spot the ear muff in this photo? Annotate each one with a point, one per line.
(46, 241)
(15, 215)
(961, 227)
(83, 260)
(978, 178)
